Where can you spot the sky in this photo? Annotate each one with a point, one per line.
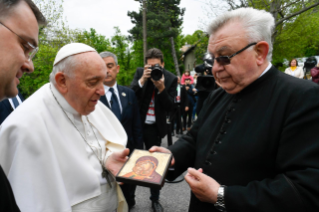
(104, 15)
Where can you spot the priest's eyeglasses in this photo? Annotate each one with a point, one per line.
(225, 60)
(30, 50)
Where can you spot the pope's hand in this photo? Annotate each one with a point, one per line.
(116, 160)
(204, 187)
(162, 149)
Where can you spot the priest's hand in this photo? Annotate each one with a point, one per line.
(204, 187)
(116, 160)
(164, 150)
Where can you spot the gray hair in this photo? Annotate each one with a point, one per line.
(66, 66)
(6, 7)
(259, 25)
(109, 54)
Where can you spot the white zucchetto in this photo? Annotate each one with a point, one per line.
(72, 49)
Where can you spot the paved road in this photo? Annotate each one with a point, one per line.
(174, 196)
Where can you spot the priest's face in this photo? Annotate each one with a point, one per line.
(112, 71)
(13, 49)
(85, 87)
(243, 68)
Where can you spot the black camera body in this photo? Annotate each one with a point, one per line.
(157, 72)
(205, 80)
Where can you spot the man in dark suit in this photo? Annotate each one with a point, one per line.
(156, 101)
(9, 105)
(17, 18)
(181, 105)
(122, 101)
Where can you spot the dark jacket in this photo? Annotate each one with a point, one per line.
(262, 143)
(164, 101)
(6, 109)
(130, 118)
(190, 95)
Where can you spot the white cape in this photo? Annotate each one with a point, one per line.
(44, 156)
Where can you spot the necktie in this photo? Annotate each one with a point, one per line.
(115, 106)
(15, 102)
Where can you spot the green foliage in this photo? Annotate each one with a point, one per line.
(298, 39)
(164, 20)
(91, 38)
(121, 48)
(198, 38)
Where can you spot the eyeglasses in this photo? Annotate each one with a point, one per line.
(225, 60)
(29, 53)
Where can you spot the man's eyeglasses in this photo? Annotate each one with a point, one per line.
(31, 50)
(225, 60)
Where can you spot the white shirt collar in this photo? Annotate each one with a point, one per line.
(267, 69)
(107, 88)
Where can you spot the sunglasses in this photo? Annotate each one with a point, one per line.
(225, 60)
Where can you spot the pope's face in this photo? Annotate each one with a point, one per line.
(13, 50)
(85, 87)
(112, 71)
(243, 69)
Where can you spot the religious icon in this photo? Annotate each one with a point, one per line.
(145, 169)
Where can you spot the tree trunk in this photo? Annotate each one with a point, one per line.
(144, 30)
(175, 57)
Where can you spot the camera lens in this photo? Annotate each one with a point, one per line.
(157, 72)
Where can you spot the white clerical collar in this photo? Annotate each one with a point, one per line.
(267, 69)
(64, 104)
(107, 88)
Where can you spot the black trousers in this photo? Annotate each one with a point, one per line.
(152, 138)
(188, 114)
(176, 117)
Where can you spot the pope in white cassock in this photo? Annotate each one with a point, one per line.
(58, 147)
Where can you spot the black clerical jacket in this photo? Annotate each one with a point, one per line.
(262, 143)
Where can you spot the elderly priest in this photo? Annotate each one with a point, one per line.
(59, 148)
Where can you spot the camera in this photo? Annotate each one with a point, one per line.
(205, 80)
(157, 72)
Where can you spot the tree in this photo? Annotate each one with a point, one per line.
(198, 38)
(121, 48)
(291, 38)
(164, 18)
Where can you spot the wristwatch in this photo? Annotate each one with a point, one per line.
(220, 204)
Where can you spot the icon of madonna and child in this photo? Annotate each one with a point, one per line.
(145, 168)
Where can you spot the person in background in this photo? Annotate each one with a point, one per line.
(294, 69)
(187, 75)
(123, 103)
(315, 74)
(191, 102)
(181, 105)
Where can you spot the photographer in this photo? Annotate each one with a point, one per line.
(155, 89)
(205, 82)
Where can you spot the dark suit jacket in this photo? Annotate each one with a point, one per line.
(6, 109)
(262, 143)
(164, 102)
(130, 119)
